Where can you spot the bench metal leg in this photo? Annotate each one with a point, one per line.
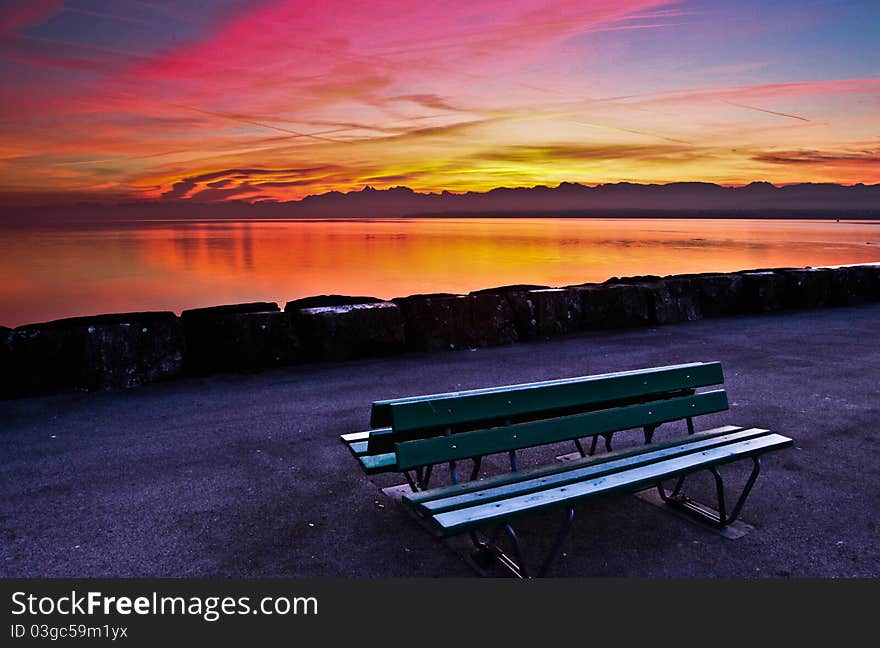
(484, 545)
(560, 538)
(756, 468)
(423, 476)
(487, 551)
(676, 490)
(517, 565)
(607, 438)
(478, 461)
(718, 518)
(419, 478)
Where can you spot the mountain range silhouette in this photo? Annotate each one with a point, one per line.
(677, 199)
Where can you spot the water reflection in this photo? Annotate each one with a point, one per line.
(49, 273)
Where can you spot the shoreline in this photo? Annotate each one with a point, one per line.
(820, 215)
(124, 350)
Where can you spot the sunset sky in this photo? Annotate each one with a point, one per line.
(278, 99)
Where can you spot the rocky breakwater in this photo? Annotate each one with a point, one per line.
(338, 327)
(100, 352)
(236, 337)
(125, 350)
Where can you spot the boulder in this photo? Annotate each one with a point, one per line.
(719, 294)
(776, 269)
(611, 305)
(874, 270)
(519, 307)
(665, 301)
(556, 311)
(235, 338)
(764, 291)
(676, 299)
(809, 287)
(229, 309)
(492, 320)
(5, 362)
(398, 300)
(436, 322)
(855, 284)
(509, 288)
(100, 352)
(321, 301)
(637, 279)
(350, 331)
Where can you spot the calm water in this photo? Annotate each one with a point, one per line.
(48, 273)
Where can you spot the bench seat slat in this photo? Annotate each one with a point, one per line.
(352, 437)
(373, 464)
(358, 443)
(459, 520)
(579, 473)
(465, 406)
(358, 448)
(524, 435)
(501, 479)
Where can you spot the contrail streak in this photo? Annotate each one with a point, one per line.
(243, 120)
(629, 130)
(764, 110)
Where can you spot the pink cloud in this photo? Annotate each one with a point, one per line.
(392, 91)
(338, 50)
(769, 90)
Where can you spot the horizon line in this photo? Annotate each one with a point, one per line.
(368, 188)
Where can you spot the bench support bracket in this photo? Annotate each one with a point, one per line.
(516, 565)
(719, 518)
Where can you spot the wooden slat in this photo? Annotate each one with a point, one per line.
(566, 391)
(351, 437)
(385, 443)
(358, 448)
(524, 435)
(358, 442)
(577, 474)
(373, 464)
(381, 441)
(557, 467)
(454, 410)
(459, 520)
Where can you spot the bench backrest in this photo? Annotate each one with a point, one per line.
(423, 452)
(538, 404)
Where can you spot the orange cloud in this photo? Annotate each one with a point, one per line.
(276, 100)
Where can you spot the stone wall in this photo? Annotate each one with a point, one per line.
(100, 352)
(129, 349)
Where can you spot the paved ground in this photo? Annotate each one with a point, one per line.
(242, 475)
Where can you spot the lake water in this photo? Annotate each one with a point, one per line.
(52, 272)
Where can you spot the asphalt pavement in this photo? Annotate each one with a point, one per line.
(242, 475)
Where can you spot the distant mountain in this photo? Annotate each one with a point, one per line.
(571, 198)
(678, 199)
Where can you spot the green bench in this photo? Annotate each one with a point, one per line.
(412, 435)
